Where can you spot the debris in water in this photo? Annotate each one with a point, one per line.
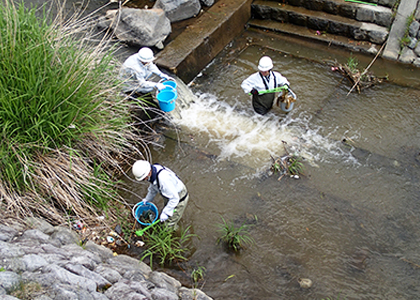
(139, 244)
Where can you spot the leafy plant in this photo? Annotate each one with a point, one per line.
(405, 40)
(289, 164)
(198, 274)
(352, 64)
(234, 238)
(162, 244)
(295, 166)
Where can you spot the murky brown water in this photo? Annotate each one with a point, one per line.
(350, 224)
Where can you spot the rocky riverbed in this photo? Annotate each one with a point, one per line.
(40, 261)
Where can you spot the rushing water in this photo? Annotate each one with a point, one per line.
(350, 224)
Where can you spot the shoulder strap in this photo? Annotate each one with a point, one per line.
(158, 172)
(266, 83)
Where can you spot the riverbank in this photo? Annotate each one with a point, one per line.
(41, 261)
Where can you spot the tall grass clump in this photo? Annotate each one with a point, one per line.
(64, 127)
(165, 246)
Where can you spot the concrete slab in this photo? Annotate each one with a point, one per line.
(199, 43)
(405, 9)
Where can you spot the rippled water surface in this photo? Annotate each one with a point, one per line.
(349, 224)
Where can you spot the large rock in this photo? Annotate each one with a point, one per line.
(177, 10)
(138, 27)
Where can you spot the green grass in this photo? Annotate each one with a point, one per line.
(163, 245)
(65, 129)
(352, 63)
(233, 237)
(50, 90)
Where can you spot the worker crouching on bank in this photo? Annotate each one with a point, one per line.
(164, 181)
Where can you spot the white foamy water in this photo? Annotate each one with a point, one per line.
(236, 133)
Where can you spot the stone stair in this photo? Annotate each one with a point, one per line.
(361, 27)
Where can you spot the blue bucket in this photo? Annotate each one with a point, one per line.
(170, 83)
(166, 98)
(146, 212)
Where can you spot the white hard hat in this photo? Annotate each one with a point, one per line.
(265, 64)
(146, 55)
(141, 169)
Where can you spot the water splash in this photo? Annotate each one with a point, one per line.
(233, 131)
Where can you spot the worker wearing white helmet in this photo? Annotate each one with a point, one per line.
(137, 71)
(164, 181)
(265, 79)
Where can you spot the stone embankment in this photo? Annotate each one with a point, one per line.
(365, 26)
(46, 262)
(404, 38)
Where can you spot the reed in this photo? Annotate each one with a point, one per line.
(65, 129)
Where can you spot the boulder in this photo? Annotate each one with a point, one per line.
(177, 10)
(138, 27)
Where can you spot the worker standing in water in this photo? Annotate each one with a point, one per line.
(137, 71)
(264, 79)
(164, 181)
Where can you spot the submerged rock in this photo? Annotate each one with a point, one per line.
(305, 283)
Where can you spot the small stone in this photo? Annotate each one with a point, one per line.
(305, 283)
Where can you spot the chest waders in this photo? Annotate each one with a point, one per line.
(264, 102)
(180, 208)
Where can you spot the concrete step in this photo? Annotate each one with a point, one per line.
(319, 21)
(311, 34)
(371, 13)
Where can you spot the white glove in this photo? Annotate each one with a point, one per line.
(160, 86)
(163, 217)
(144, 201)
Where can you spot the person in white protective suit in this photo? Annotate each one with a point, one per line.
(138, 69)
(164, 181)
(265, 79)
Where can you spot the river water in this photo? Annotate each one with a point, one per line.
(350, 224)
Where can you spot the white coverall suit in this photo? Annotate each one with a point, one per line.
(172, 189)
(136, 74)
(264, 102)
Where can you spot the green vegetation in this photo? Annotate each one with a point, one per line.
(405, 40)
(234, 238)
(164, 245)
(295, 165)
(197, 275)
(288, 165)
(352, 64)
(65, 129)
